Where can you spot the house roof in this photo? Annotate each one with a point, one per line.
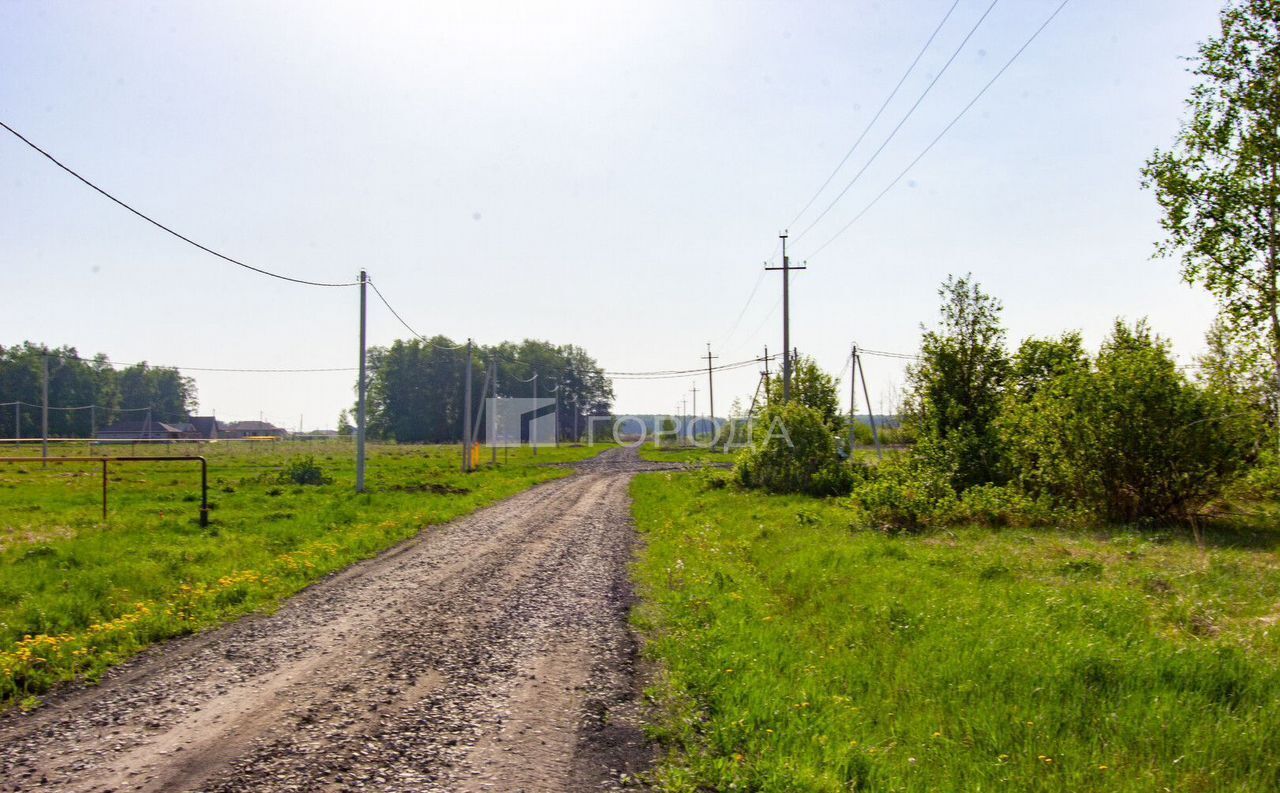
(252, 425)
(135, 427)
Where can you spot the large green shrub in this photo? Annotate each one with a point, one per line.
(1128, 437)
(793, 450)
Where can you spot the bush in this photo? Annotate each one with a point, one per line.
(303, 471)
(998, 506)
(1128, 436)
(793, 451)
(1262, 481)
(901, 494)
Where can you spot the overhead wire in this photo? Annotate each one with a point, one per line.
(910, 68)
(165, 228)
(893, 133)
(944, 131)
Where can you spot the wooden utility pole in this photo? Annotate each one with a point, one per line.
(853, 395)
(875, 434)
(361, 387)
(493, 442)
(786, 269)
(766, 374)
(711, 385)
(44, 412)
(695, 410)
(466, 416)
(556, 424)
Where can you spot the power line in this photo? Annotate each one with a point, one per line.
(902, 121)
(745, 306)
(876, 117)
(162, 226)
(407, 326)
(945, 129)
(68, 356)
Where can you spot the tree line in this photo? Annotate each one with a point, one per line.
(76, 382)
(417, 388)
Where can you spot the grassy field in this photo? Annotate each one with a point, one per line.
(699, 455)
(78, 595)
(683, 454)
(801, 652)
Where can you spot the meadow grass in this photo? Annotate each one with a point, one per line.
(669, 453)
(799, 651)
(78, 595)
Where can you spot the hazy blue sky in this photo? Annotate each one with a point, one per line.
(607, 174)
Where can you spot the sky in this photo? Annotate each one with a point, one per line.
(606, 174)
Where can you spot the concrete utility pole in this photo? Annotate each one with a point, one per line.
(466, 417)
(360, 391)
(786, 269)
(44, 413)
(711, 385)
(17, 421)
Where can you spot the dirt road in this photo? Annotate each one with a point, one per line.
(491, 654)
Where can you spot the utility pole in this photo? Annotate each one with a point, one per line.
(93, 421)
(533, 425)
(695, 410)
(711, 386)
(360, 392)
(493, 442)
(853, 395)
(557, 414)
(466, 417)
(17, 421)
(684, 416)
(875, 434)
(44, 413)
(766, 374)
(786, 269)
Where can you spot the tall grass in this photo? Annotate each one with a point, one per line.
(802, 653)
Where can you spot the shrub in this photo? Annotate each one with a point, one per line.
(793, 451)
(1128, 437)
(303, 471)
(999, 506)
(902, 494)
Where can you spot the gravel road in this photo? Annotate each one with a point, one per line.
(489, 654)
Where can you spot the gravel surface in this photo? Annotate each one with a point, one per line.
(489, 654)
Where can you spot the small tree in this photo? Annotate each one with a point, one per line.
(811, 387)
(793, 451)
(1219, 186)
(956, 389)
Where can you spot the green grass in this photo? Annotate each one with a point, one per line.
(78, 595)
(683, 454)
(800, 652)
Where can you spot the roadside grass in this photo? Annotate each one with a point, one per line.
(684, 454)
(801, 652)
(701, 455)
(78, 595)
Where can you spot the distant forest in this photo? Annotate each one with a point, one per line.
(79, 382)
(416, 388)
